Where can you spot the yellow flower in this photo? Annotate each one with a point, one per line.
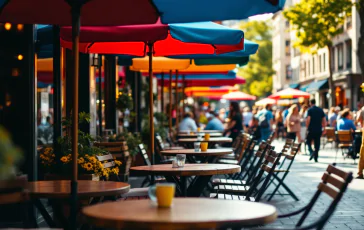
(88, 166)
(92, 160)
(81, 160)
(118, 163)
(64, 159)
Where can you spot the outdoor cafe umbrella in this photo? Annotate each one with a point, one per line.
(266, 101)
(238, 96)
(70, 13)
(289, 93)
(157, 39)
(173, 11)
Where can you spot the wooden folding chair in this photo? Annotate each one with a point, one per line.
(334, 184)
(330, 136)
(345, 142)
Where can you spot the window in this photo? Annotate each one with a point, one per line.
(348, 54)
(324, 62)
(308, 68)
(333, 55)
(287, 24)
(288, 72)
(296, 52)
(288, 48)
(320, 63)
(348, 22)
(303, 69)
(340, 57)
(313, 65)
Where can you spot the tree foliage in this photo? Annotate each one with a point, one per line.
(258, 73)
(317, 22)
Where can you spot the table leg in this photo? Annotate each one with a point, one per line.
(183, 184)
(176, 181)
(198, 185)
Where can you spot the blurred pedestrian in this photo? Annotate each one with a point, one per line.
(293, 122)
(265, 118)
(235, 125)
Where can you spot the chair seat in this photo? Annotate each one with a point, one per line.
(136, 192)
(218, 181)
(227, 161)
(281, 170)
(231, 188)
(345, 145)
(231, 197)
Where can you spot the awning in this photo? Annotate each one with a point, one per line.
(304, 87)
(294, 86)
(317, 85)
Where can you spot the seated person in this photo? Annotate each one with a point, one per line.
(188, 124)
(254, 128)
(346, 122)
(214, 122)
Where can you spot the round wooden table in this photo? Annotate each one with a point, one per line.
(202, 173)
(86, 188)
(185, 213)
(194, 135)
(203, 131)
(188, 142)
(59, 192)
(207, 156)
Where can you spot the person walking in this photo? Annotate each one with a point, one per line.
(360, 119)
(303, 114)
(247, 117)
(265, 118)
(293, 121)
(315, 123)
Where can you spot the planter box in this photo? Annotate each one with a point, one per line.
(92, 177)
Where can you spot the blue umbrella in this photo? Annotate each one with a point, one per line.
(176, 11)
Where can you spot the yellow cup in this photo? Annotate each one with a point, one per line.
(198, 129)
(207, 136)
(204, 146)
(162, 194)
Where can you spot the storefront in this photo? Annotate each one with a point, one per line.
(320, 91)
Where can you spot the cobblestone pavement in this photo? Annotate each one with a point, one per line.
(303, 180)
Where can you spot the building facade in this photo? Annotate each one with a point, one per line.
(310, 72)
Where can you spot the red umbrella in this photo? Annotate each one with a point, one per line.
(289, 93)
(238, 96)
(167, 40)
(209, 82)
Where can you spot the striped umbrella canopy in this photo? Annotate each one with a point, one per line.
(238, 96)
(289, 93)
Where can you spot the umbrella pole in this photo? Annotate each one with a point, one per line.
(151, 103)
(177, 101)
(183, 96)
(162, 95)
(100, 95)
(76, 23)
(170, 102)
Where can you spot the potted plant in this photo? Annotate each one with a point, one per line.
(57, 165)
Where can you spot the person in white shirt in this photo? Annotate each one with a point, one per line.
(247, 117)
(188, 124)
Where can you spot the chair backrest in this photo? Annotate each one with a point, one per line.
(257, 161)
(344, 136)
(106, 160)
(271, 160)
(334, 183)
(237, 140)
(289, 156)
(330, 133)
(159, 142)
(119, 150)
(144, 154)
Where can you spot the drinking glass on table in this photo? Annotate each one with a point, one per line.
(197, 146)
(181, 159)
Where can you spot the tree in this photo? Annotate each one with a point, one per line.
(316, 23)
(258, 73)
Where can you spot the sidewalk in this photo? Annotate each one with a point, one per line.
(304, 179)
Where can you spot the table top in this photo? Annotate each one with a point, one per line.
(203, 131)
(185, 213)
(187, 170)
(209, 152)
(61, 188)
(182, 135)
(212, 139)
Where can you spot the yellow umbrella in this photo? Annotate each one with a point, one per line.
(183, 65)
(159, 64)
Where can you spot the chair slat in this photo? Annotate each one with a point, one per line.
(109, 164)
(328, 190)
(105, 157)
(332, 180)
(338, 172)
